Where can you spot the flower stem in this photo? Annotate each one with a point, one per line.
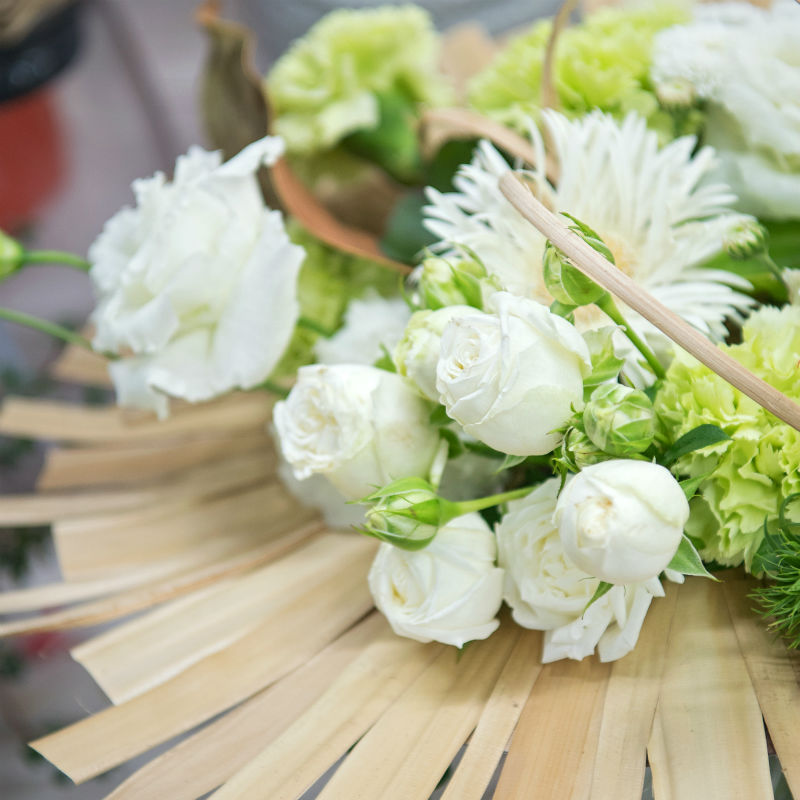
(274, 388)
(56, 257)
(50, 328)
(468, 506)
(309, 324)
(607, 305)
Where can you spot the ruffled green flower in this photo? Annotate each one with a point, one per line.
(351, 67)
(602, 63)
(760, 465)
(329, 279)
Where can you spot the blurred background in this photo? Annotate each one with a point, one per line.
(94, 94)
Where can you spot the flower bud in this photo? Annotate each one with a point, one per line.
(579, 451)
(567, 284)
(676, 93)
(406, 513)
(445, 282)
(12, 255)
(619, 420)
(746, 239)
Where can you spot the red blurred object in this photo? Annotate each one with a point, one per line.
(32, 159)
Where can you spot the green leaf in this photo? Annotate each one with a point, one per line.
(687, 560)
(454, 445)
(691, 485)
(509, 462)
(696, 439)
(602, 589)
(405, 236)
(439, 418)
(385, 362)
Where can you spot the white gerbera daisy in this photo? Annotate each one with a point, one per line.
(649, 205)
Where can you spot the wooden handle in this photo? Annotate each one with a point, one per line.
(600, 270)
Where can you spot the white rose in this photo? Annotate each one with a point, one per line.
(448, 592)
(417, 352)
(512, 377)
(196, 286)
(546, 591)
(622, 520)
(360, 426)
(371, 323)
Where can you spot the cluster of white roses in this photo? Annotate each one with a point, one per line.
(508, 376)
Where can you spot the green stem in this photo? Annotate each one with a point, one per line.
(50, 328)
(56, 257)
(467, 506)
(275, 388)
(309, 324)
(609, 307)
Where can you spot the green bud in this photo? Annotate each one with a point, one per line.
(605, 362)
(746, 239)
(619, 420)
(407, 513)
(565, 282)
(12, 255)
(445, 282)
(579, 451)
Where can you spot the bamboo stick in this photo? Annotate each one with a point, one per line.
(592, 264)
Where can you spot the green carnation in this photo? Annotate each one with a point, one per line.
(602, 63)
(329, 279)
(759, 466)
(341, 75)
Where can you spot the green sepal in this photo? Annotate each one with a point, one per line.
(687, 560)
(509, 462)
(696, 439)
(385, 362)
(603, 588)
(403, 542)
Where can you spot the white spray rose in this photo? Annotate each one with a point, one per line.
(371, 323)
(448, 592)
(360, 426)
(417, 352)
(742, 61)
(622, 520)
(546, 591)
(197, 285)
(511, 377)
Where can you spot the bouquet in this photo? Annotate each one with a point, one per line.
(535, 329)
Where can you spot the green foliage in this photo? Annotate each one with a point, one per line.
(687, 560)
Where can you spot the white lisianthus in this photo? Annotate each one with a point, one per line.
(741, 60)
(196, 285)
(417, 353)
(448, 592)
(511, 377)
(371, 323)
(546, 591)
(622, 520)
(360, 426)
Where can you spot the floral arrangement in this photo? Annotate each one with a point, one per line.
(508, 430)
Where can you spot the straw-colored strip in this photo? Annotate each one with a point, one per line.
(708, 735)
(209, 757)
(49, 419)
(406, 753)
(236, 559)
(79, 365)
(352, 703)
(630, 704)
(591, 263)
(551, 738)
(775, 673)
(105, 740)
(93, 547)
(498, 720)
(466, 49)
(136, 656)
(207, 480)
(131, 464)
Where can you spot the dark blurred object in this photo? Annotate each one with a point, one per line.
(38, 38)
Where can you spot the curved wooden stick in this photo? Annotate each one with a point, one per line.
(592, 264)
